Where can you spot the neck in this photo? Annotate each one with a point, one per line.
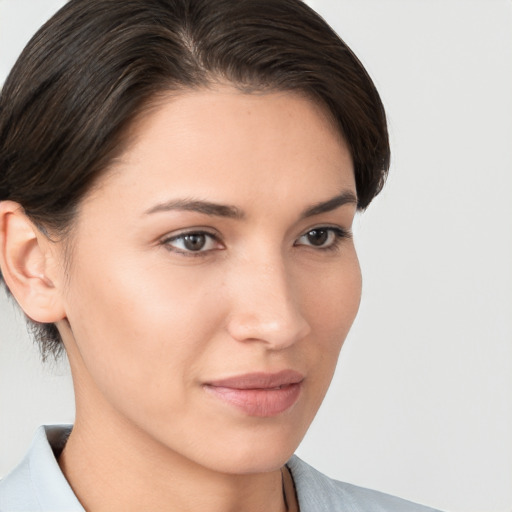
(112, 467)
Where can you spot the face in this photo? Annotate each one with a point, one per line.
(213, 278)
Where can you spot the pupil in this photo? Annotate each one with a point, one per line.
(195, 242)
(318, 236)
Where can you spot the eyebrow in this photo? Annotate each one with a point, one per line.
(346, 197)
(233, 212)
(204, 207)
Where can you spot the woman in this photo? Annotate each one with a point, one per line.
(177, 189)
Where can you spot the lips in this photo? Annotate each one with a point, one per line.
(259, 394)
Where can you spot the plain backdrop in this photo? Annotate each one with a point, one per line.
(421, 404)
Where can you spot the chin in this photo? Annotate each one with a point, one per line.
(260, 451)
(251, 462)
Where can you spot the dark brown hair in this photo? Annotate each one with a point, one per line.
(94, 67)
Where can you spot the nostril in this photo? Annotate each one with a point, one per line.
(279, 331)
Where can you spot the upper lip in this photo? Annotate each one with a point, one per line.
(259, 380)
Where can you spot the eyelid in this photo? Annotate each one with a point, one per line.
(345, 232)
(339, 234)
(167, 239)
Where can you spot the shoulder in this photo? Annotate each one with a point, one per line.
(318, 493)
(37, 482)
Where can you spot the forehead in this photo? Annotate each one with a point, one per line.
(223, 142)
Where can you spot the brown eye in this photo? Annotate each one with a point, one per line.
(317, 237)
(323, 238)
(193, 242)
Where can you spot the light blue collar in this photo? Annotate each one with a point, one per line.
(37, 483)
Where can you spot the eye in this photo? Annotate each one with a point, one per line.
(323, 238)
(192, 242)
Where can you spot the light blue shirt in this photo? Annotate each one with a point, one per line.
(37, 484)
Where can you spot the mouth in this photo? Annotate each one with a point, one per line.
(259, 394)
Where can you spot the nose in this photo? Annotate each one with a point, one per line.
(265, 306)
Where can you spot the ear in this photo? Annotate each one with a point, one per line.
(27, 262)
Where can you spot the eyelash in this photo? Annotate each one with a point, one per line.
(339, 234)
(182, 236)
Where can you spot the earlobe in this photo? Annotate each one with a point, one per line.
(25, 258)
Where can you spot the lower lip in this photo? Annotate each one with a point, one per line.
(259, 402)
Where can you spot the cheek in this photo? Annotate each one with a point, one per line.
(331, 299)
(331, 306)
(142, 327)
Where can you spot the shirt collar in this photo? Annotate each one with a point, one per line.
(51, 488)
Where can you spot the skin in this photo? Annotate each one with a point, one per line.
(146, 322)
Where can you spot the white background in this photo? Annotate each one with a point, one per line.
(421, 405)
